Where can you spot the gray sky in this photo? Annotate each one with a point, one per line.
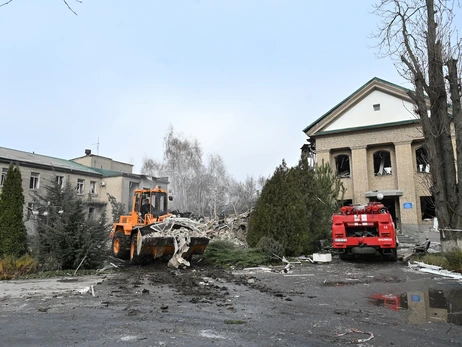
(243, 77)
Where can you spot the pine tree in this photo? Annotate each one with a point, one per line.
(13, 234)
(66, 239)
(295, 208)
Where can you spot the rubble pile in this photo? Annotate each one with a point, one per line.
(184, 230)
(232, 229)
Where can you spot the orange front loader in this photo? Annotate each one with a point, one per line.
(149, 229)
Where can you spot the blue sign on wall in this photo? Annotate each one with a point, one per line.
(407, 205)
(415, 298)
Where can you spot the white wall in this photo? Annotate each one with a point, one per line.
(362, 114)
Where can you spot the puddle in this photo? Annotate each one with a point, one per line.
(429, 305)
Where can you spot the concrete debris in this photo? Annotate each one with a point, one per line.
(182, 229)
(230, 228)
(322, 257)
(86, 290)
(351, 331)
(181, 244)
(258, 269)
(432, 269)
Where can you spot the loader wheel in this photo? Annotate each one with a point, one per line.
(120, 245)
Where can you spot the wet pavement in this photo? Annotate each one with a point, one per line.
(367, 303)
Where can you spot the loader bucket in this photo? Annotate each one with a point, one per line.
(172, 236)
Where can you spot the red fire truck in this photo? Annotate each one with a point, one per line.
(364, 230)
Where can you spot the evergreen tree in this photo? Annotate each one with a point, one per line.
(118, 208)
(13, 234)
(66, 239)
(295, 208)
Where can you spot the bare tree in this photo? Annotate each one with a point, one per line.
(65, 2)
(243, 195)
(151, 167)
(218, 184)
(182, 164)
(422, 39)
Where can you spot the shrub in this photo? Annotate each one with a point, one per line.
(11, 267)
(454, 260)
(270, 248)
(226, 254)
(451, 260)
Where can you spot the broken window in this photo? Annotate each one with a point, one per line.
(34, 182)
(2, 180)
(427, 207)
(60, 181)
(92, 187)
(80, 186)
(342, 165)
(382, 163)
(422, 160)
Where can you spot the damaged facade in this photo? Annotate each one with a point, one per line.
(374, 143)
(93, 177)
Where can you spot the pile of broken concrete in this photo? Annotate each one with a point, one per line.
(183, 229)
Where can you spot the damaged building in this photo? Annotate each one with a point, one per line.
(93, 176)
(374, 143)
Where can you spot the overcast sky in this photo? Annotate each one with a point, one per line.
(243, 77)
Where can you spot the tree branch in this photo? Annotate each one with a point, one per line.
(6, 3)
(65, 1)
(69, 7)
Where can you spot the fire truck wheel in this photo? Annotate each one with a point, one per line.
(120, 245)
(394, 255)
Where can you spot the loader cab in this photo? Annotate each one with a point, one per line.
(153, 202)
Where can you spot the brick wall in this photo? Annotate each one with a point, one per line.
(401, 141)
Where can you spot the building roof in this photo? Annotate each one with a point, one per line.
(8, 155)
(100, 156)
(113, 173)
(373, 84)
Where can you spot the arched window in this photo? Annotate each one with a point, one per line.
(382, 163)
(421, 157)
(342, 165)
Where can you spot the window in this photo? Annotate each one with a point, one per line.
(60, 181)
(2, 180)
(34, 182)
(376, 107)
(92, 187)
(80, 186)
(382, 163)
(421, 157)
(342, 165)
(427, 207)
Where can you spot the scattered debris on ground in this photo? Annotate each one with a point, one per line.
(406, 251)
(355, 331)
(433, 269)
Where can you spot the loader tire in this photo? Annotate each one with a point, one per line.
(120, 245)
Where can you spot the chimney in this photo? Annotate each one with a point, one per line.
(87, 151)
